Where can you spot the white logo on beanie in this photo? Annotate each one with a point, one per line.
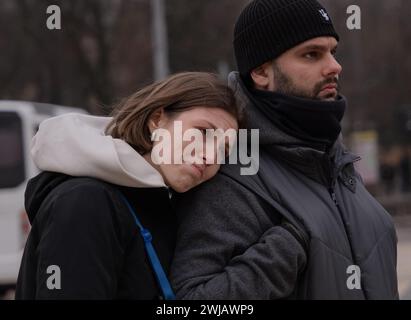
(324, 14)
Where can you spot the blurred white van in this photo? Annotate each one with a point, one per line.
(19, 122)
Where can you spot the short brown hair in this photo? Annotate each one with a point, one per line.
(175, 94)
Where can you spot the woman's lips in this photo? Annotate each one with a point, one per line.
(199, 169)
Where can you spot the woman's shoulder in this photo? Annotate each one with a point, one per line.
(52, 196)
(71, 196)
(87, 206)
(84, 185)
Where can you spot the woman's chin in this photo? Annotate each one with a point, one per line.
(184, 180)
(182, 189)
(182, 185)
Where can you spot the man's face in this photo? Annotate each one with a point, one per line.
(308, 70)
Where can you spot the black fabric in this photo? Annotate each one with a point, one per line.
(317, 122)
(267, 28)
(83, 226)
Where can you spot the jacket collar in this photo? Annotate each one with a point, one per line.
(319, 165)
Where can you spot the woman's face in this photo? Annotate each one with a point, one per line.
(181, 173)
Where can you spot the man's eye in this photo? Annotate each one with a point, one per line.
(311, 55)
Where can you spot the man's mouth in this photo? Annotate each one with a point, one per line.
(332, 86)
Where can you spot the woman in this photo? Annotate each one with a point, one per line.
(100, 178)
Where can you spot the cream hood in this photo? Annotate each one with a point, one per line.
(76, 145)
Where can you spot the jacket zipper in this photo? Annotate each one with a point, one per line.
(335, 200)
(334, 197)
(331, 189)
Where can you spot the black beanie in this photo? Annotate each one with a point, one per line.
(268, 28)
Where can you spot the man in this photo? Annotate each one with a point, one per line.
(304, 227)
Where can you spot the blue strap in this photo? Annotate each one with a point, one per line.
(162, 280)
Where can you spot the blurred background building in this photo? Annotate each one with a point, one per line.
(107, 49)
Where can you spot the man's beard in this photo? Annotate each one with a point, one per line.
(287, 87)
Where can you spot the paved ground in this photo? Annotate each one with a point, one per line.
(403, 224)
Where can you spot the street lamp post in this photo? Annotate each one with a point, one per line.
(159, 39)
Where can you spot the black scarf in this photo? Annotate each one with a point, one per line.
(314, 121)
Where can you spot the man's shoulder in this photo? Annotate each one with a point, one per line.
(251, 182)
(227, 188)
(229, 178)
(215, 203)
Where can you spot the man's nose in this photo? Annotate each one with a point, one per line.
(332, 68)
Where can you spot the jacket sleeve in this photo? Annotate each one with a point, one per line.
(80, 236)
(228, 248)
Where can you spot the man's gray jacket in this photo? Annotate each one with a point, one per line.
(232, 244)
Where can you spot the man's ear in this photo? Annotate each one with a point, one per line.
(261, 76)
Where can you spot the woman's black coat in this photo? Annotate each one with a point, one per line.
(83, 226)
